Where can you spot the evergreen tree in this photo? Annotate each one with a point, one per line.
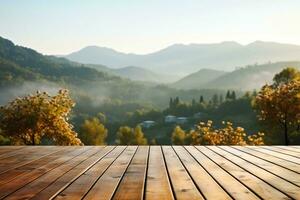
(171, 103)
(215, 100)
(176, 101)
(201, 99)
(233, 96)
(228, 95)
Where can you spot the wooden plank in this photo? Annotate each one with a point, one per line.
(24, 158)
(79, 188)
(157, 183)
(183, 185)
(291, 148)
(287, 188)
(133, 181)
(233, 187)
(16, 184)
(7, 149)
(278, 161)
(278, 155)
(19, 153)
(42, 182)
(68, 178)
(261, 188)
(25, 167)
(203, 180)
(106, 185)
(7, 152)
(284, 151)
(284, 173)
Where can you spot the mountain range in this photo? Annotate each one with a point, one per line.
(19, 64)
(181, 60)
(246, 78)
(136, 74)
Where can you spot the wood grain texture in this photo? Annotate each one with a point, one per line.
(182, 183)
(133, 181)
(158, 185)
(149, 172)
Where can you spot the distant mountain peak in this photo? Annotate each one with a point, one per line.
(98, 48)
(230, 43)
(181, 59)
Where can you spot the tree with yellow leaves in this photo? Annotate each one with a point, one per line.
(131, 136)
(205, 134)
(178, 136)
(279, 104)
(29, 119)
(93, 132)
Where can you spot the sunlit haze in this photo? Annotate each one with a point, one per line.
(137, 26)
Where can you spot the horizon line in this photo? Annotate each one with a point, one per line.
(154, 51)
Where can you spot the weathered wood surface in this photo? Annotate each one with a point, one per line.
(150, 172)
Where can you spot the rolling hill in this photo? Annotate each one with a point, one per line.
(19, 62)
(246, 78)
(135, 74)
(198, 79)
(24, 71)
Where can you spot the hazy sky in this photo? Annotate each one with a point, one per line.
(143, 26)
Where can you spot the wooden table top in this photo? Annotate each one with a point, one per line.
(150, 172)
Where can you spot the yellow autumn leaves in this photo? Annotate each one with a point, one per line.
(29, 119)
(206, 134)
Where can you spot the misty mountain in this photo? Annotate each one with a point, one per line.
(246, 78)
(135, 73)
(198, 79)
(19, 64)
(24, 71)
(182, 59)
(138, 74)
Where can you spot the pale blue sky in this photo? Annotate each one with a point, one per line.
(140, 26)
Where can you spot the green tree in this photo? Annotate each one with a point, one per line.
(228, 96)
(285, 76)
(171, 103)
(4, 140)
(215, 100)
(92, 132)
(101, 117)
(130, 136)
(201, 100)
(279, 104)
(233, 95)
(176, 101)
(178, 136)
(27, 120)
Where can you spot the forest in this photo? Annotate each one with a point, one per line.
(51, 100)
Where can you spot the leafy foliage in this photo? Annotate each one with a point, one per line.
(178, 136)
(286, 75)
(205, 134)
(27, 120)
(279, 104)
(93, 132)
(131, 136)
